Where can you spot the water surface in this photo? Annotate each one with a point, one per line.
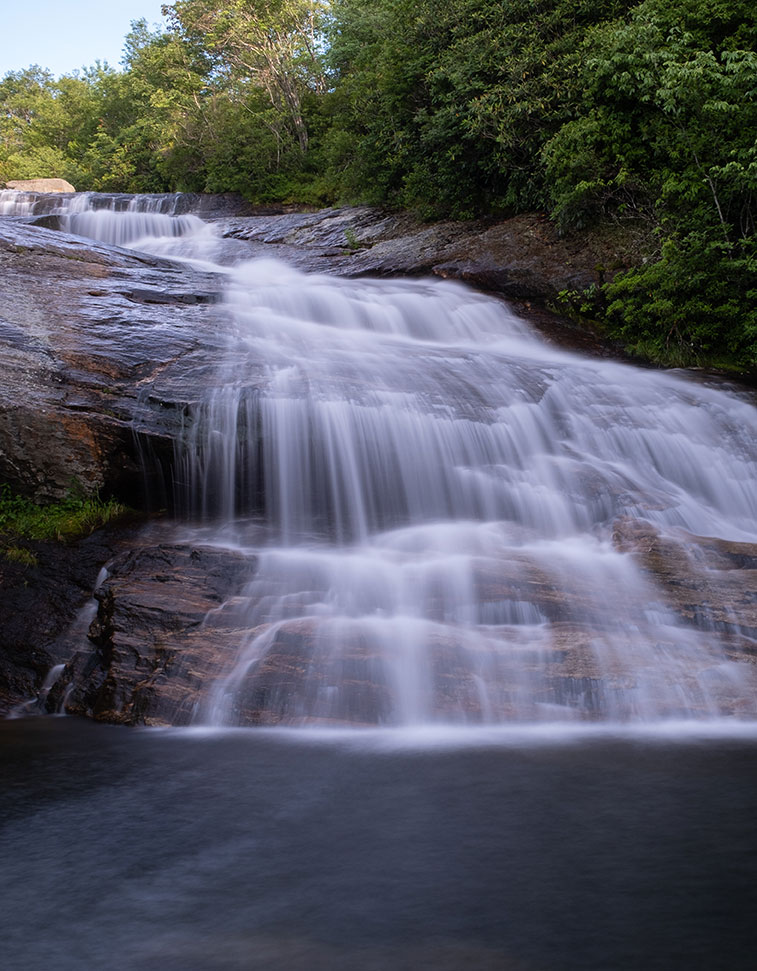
(283, 850)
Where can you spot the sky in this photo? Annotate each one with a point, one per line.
(67, 36)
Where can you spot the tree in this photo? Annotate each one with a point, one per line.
(666, 129)
(272, 45)
(445, 107)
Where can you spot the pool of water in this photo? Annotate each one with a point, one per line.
(544, 848)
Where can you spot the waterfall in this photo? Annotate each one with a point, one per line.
(134, 221)
(447, 518)
(145, 222)
(14, 202)
(441, 490)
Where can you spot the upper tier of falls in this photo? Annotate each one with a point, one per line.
(448, 519)
(141, 221)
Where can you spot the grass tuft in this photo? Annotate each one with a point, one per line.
(70, 519)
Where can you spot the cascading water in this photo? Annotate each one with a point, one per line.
(441, 519)
(440, 508)
(14, 202)
(442, 489)
(129, 226)
(146, 222)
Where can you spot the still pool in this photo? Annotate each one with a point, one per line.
(543, 849)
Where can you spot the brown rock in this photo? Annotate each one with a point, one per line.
(40, 185)
(710, 583)
(523, 257)
(153, 659)
(95, 345)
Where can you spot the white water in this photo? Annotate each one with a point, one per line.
(144, 222)
(442, 488)
(439, 490)
(16, 203)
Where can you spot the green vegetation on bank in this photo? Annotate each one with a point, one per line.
(639, 114)
(70, 519)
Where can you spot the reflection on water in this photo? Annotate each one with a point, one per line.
(536, 851)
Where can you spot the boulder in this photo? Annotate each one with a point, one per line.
(40, 185)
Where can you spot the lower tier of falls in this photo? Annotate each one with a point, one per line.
(444, 518)
(456, 514)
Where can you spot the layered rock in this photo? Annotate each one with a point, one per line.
(171, 622)
(523, 258)
(101, 350)
(151, 656)
(708, 582)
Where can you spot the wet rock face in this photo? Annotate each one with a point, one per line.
(523, 258)
(171, 622)
(150, 656)
(294, 673)
(706, 580)
(101, 350)
(38, 605)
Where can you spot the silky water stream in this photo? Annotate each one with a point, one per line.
(512, 568)
(445, 495)
(447, 519)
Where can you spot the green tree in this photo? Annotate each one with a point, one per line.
(445, 107)
(270, 45)
(666, 133)
(140, 113)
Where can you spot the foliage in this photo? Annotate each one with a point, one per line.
(70, 519)
(666, 135)
(17, 554)
(636, 111)
(445, 107)
(272, 45)
(697, 304)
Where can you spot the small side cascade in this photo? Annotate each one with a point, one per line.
(37, 705)
(15, 202)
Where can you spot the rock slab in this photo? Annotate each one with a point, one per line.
(40, 185)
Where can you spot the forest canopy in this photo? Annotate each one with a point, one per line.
(611, 113)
